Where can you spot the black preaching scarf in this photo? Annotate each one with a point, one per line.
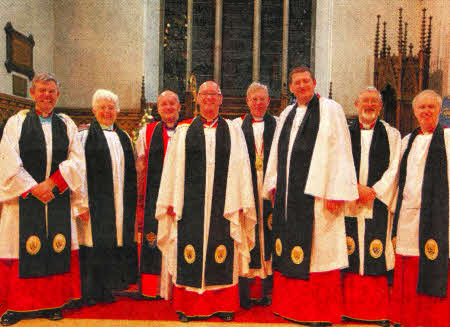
(44, 245)
(220, 251)
(101, 188)
(433, 224)
(269, 130)
(375, 228)
(293, 234)
(150, 254)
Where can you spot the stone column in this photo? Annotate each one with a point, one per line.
(218, 43)
(189, 43)
(256, 39)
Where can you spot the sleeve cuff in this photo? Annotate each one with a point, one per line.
(59, 181)
(25, 194)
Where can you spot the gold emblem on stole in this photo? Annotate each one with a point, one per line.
(431, 249)
(376, 248)
(259, 163)
(33, 244)
(189, 253)
(297, 255)
(394, 242)
(59, 243)
(151, 238)
(278, 247)
(269, 221)
(350, 245)
(221, 253)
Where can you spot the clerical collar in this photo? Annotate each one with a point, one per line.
(366, 127)
(210, 124)
(257, 120)
(107, 128)
(41, 116)
(420, 132)
(170, 128)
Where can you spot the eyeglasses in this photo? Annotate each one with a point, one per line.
(210, 94)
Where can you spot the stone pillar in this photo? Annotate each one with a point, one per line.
(256, 40)
(218, 43)
(284, 59)
(189, 43)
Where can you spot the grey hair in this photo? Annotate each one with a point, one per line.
(43, 77)
(256, 86)
(370, 88)
(171, 92)
(427, 92)
(105, 94)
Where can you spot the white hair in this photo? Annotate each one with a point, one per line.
(105, 94)
(427, 92)
(256, 86)
(370, 89)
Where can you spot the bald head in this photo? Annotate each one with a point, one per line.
(168, 107)
(209, 100)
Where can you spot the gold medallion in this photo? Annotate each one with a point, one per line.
(350, 245)
(33, 244)
(259, 163)
(394, 242)
(269, 222)
(431, 249)
(189, 253)
(151, 239)
(297, 255)
(221, 254)
(59, 243)
(376, 248)
(278, 247)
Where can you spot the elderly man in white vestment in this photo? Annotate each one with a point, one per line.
(310, 173)
(368, 221)
(258, 127)
(206, 211)
(420, 294)
(108, 251)
(40, 167)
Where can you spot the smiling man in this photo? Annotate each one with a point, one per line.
(41, 164)
(151, 147)
(421, 224)
(376, 154)
(206, 211)
(309, 174)
(108, 252)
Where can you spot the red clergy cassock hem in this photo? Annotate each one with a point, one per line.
(150, 285)
(30, 294)
(317, 299)
(365, 297)
(412, 309)
(193, 304)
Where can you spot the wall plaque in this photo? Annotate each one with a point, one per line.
(19, 86)
(19, 52)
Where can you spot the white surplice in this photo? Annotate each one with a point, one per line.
(266, 266)
(331, 176)
(118, 174)
(239, 202)
(384, 188)
(15, 180)
(408, 222)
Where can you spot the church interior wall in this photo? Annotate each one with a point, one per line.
(99, 44)
(110, 44)
(28, 17)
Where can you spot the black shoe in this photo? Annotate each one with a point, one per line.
(226, 316)
(108, 299)
(264, 301)
(247, 305)
(182, 317)
(55, 314)
(10, 318)
(89, 301)
(73, 305)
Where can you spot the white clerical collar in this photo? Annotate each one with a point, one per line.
(107, 128)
